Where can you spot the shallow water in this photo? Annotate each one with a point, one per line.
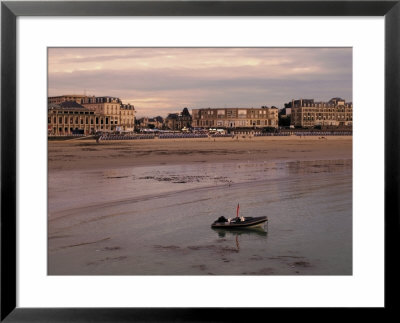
(156, 220)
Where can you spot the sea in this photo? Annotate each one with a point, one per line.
(156, 220)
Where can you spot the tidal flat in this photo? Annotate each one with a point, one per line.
(145, 208)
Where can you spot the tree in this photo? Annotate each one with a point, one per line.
(283, 119)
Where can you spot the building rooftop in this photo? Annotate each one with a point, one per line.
(68, 95)
(68, 105)
(173, 116)
(71, 104)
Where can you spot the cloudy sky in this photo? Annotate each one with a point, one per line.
(158, 81)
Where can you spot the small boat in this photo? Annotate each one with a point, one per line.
(239, 222)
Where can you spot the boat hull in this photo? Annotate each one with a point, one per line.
(248, 223)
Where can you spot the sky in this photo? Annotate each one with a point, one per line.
(158, 81)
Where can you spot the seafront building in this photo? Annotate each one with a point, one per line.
(81, 114)
(306, 113)
(90, 115)
(127, 117)
(235, 118)
(178, 121)
(118, 116)
(154, 123)
(70, 117)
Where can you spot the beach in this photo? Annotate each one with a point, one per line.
(87, 154)
(144, 207)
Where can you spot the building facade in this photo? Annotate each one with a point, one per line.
(119, 116)
(105, 114)
(235, 118)
(153, 123)
(127, 117)
(69, 117)
(171, 121)
(306, 113)
(175, 121)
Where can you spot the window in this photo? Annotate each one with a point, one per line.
(221, 113)
(242, 114)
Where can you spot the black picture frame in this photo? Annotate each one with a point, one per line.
(10, 10)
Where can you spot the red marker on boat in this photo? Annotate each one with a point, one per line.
(237, 211)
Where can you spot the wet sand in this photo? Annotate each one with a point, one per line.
(144, 207)
(87, 154)
(155, 220)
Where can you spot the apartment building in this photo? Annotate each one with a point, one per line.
(235, 117)
(105, 114)
(306, 113)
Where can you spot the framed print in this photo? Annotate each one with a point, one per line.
(173, 128)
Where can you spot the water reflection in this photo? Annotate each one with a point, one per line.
(222, 233)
